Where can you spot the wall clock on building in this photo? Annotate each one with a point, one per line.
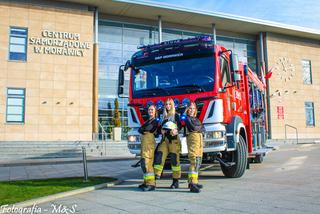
(284, 69)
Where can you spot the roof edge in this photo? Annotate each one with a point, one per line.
(223, 15)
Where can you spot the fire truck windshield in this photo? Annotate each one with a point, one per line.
(179, 76)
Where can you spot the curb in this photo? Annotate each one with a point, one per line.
(56, 196)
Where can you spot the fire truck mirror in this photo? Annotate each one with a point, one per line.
(121, 76)
(120, 90)
(235, 62)
(127, 65)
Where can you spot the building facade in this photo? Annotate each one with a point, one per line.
(295, 86)
(59, 64)
(46, 62)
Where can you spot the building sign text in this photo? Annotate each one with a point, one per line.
(59, 43)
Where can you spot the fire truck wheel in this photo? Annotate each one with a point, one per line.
(239, 158)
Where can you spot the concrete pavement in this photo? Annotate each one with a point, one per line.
(119, 168)
(52, 161)
(288, 181)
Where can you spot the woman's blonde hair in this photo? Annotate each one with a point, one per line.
(172, 111)
(155, 109)
(195, 106)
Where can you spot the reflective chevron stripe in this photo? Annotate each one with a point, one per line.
(149, 176)
(158, 167)
(192, 174)
(176, 168)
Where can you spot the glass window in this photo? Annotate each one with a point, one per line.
(169, 77)
(306, 72)
(15, 105)
(309, 109)
(225, 72)
(135, 37)
(245, 48)
(252, 63)
(106, 112)
(18, 43)
(119, 41)
(140, 80)
(167, 36)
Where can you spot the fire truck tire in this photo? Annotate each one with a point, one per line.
(240, 158)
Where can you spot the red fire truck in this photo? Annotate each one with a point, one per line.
(229, 97)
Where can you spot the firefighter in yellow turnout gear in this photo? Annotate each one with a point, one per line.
(148, 131)
(195, 146)
(170, 144)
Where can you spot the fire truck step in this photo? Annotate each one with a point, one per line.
(226, 164)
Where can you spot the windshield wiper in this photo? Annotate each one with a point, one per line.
(197, 88)
(154, 90)
(163, 90)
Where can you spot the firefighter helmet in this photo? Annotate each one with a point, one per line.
(169, 125)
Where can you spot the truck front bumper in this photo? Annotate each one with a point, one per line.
(214, 146)
(213, 141)
(214, 138)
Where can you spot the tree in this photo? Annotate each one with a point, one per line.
(116, 114)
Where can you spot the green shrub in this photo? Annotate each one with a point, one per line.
(116, 114)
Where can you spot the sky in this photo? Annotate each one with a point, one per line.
(303, 13)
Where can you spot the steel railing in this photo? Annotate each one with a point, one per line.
(285, 131)
(103, 133)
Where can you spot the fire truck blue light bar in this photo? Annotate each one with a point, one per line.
(192, 40)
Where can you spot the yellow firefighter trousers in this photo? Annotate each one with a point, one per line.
(171, 148)
(147, 154)
(195, 152)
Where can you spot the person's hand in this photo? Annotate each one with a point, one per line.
(174, 132)
(163, 131)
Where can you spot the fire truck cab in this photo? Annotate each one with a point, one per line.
(224, 89)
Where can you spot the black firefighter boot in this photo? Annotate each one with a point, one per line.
(194, 188)
(175, 184)
(200, 186)
(141, 186)
(149, 188)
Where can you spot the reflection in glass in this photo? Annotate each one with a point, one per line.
(119, 41)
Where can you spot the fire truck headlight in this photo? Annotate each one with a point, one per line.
(214, 135)
(133, 138)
